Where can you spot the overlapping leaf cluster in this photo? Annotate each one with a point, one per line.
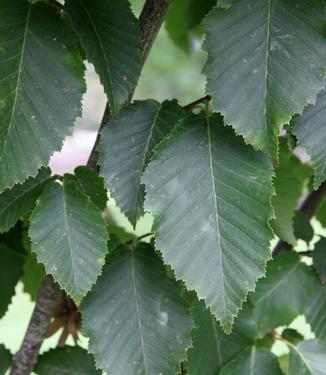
(221, 179)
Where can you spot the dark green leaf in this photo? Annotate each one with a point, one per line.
(11, 269)
(211, 347)
(289, 184)
(321, 214)
(253, 361)
(266, 62)
(135, 317)
(91, 184)
(16, 202)
(69, 237)
(33, 272)
(41, 87)
(127, 144)
(109, 33)
(315, 312)
(310, 131)
(69, 360)
(284, 293)
(210, 196)
(308, 358)
(302, 227)
(183, 18)
(292, 336)
(5, 359)
(319, 258)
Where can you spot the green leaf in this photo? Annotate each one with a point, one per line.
(253, 361)
(33, 272)
(319, 258)
(127, 145)
(41, 87)
(290, 176)
(321, 214)
(135, 317)
(211, 347)
(11, 269)
(315, 312)
(5, 359)
(109, 33)
(302, 227)
(18, 201)
(310, 132)
(69, 237)
(308, 358)
(266, 62)
(210, 196)
(91, 184)
(69, 360)
(183, 17)
(292, 335)
(284, 293)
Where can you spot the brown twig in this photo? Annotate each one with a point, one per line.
(309, 207)
(192, 105)
(26, 357)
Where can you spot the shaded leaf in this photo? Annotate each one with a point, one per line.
(211, 347)
(183, 17)
(310, 131)
(91, 184)
(319, 258)
(41, 87)
(321, 214)
(278, 299)
(69, 360)
(11, 269)
(146, 326)
(5, 359)
(266, 62)
(69, 237)
(315, 312)
(290, 176)
(19, 200)
(109, 33)
(302, 227)
(127, 144)
(253, 361)
(33, 272)
(292, 336)
(308, 358)
(210, 197)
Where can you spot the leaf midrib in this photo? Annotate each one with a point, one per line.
(159, 107)
(28, 16)
(68, 236)
(216, 210)
(114, 104)
(133, 277)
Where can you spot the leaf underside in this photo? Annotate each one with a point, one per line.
(268, 59)
(308, 358)
(315, 312)
(69, 237)
(41, 87)
(210, 197)
(145, 325)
